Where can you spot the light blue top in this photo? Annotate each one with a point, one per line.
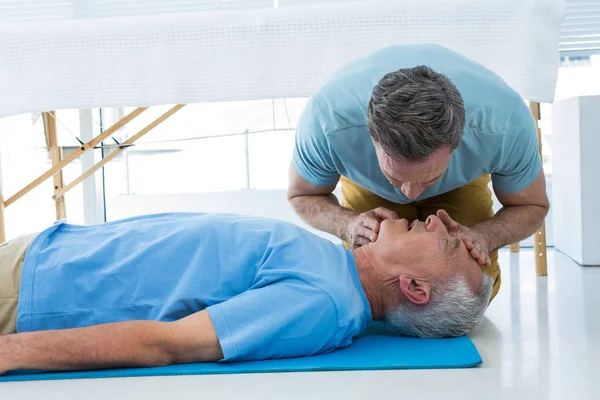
(272, 289)
(499, 138)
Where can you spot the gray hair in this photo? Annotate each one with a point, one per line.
(415, 111)
(453, 310)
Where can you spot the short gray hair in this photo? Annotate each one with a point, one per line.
(415, 111)
(453, 310)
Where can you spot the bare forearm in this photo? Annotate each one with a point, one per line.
(323, 212)
(124, 344)
(511, 224)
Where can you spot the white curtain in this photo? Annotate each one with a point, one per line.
(110, 53)
(38, 10)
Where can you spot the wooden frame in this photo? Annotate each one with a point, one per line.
(59, 194)
(85, 147)
(58, 163)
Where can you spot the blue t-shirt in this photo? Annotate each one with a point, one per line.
(499, 138)
(272, 289)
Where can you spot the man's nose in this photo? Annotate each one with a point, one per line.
(412, 190)
(433, 224)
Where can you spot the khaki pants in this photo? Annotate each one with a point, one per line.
(12, 254)
(467, 205)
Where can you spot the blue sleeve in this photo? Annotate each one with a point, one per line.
(312, 155)
(521, 163)
(288, 318)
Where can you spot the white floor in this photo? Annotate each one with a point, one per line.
(540, 340)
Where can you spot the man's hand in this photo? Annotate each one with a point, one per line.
(477, 243)
(364, 228)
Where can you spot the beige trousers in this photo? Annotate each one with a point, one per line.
(12, 254)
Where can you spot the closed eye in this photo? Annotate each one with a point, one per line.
(434, 179)
(456, 243)
(452, 244)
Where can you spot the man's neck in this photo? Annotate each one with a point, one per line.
(369, 281)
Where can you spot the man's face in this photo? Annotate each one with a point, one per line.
(413, 178)
(425, 250)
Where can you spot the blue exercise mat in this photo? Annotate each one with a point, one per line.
(376, 350)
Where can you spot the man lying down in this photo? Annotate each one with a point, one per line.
(184, 287)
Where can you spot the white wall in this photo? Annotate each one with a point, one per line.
(590, 178)
(566, 165)
(576, 209)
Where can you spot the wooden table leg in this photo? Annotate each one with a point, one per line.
(541, 264)
(56, 157)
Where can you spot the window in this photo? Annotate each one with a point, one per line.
(206, 148)
(270, 154)
(193, 166)
(577, 76)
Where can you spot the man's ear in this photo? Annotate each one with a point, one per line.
(417, 291)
